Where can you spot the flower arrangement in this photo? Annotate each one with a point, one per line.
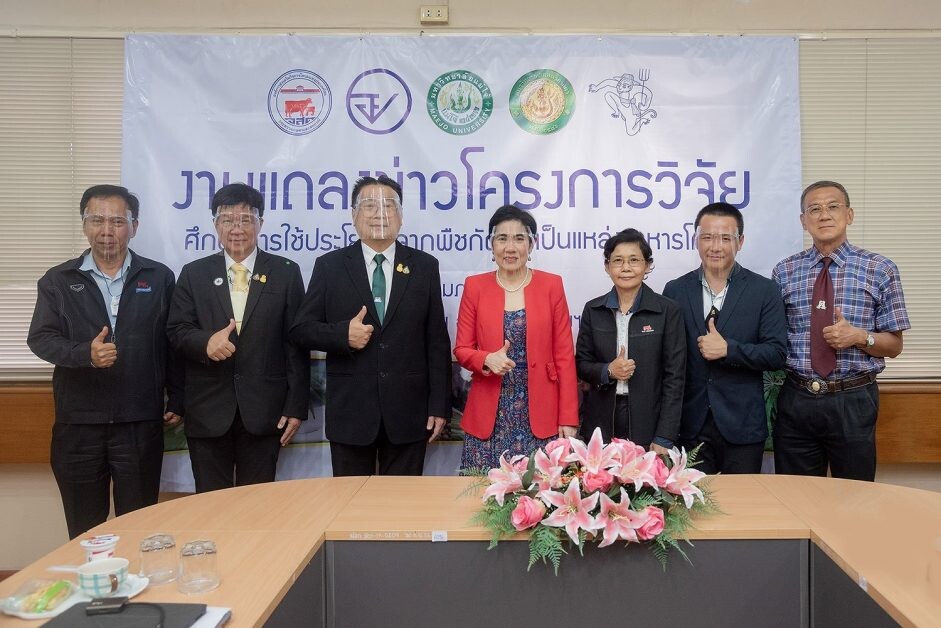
(600, 492)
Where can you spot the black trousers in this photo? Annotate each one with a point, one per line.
(237, 458)
(716, 454)
(87, 459)
(381, 457)
(621, 424)
(835, 430)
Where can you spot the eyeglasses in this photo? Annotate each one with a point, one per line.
(373, 206)
(230, 221)
(816, 211)
(97, 221)
(633, 262)
(717, 238)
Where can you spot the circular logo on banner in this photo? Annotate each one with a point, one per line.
(459, 102)
(542, 101)
(378, 101)
(299, 102)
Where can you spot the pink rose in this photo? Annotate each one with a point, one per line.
(661, 472)
(653, 526)
(528, 513)
(600, 481)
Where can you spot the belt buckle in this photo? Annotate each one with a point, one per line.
(817, 386)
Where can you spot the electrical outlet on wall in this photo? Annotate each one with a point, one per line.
(433, 14)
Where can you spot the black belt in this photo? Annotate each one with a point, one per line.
(819, 386)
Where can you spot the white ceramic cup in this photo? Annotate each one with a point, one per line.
(101, 578)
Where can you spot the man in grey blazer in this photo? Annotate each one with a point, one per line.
(735, 330)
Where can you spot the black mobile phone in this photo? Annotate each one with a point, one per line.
(106, 605)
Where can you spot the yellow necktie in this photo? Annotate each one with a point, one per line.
(239, 278)
(239, 293)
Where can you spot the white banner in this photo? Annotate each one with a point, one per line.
(592, 134)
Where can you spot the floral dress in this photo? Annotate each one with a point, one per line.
(511, 433)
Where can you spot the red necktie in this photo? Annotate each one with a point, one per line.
(822, 355)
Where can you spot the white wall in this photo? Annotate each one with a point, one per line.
(815, 17)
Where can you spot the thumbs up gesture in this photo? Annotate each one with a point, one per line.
(103, 354)
(842, 335)
(621, 368)
(498, 362)
(219, 348)
(359, 334)
(713, 346)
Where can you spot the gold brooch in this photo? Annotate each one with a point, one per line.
(402, 269)
(261, 278)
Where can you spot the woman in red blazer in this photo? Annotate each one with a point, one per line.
(514, 335)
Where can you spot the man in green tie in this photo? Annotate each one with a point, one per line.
(375, 308)
(247, 386)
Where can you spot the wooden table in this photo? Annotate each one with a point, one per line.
(282, 546)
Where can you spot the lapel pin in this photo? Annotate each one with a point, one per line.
(217, 281)
(402, 269)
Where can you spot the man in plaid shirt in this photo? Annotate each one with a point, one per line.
(827, 408)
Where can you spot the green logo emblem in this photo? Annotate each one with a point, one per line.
(542, 101)
(459, 102)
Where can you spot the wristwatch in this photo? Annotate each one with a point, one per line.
(870, 341)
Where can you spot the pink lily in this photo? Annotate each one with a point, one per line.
(549, 468)
(682, 479)
(571, 510)
(504, 480)
(639, 471)
(595, 456)
(618, 520)
(561, 444)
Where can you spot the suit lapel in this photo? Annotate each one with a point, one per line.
(356, 267)
(399, 279)
(255, 288)
(694, 293)
(737, 286)
(217, 271)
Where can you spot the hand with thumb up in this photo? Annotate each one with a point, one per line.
(621, 368)
(219, 347)
(498, 362)
(103, 354)
(359, 333)
(713, 346)
(842, 335)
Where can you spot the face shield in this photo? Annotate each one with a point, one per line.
(728, 242)
(237, 228)
(511, 246)
(108, 233)
(377, 214)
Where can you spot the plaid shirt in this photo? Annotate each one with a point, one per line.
(866, 288)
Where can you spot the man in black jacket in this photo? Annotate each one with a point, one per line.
(101, 320)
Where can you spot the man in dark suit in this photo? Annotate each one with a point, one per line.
(375, 308)
(735, 330)
(247, 385)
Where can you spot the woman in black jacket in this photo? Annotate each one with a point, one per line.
(631, 349)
